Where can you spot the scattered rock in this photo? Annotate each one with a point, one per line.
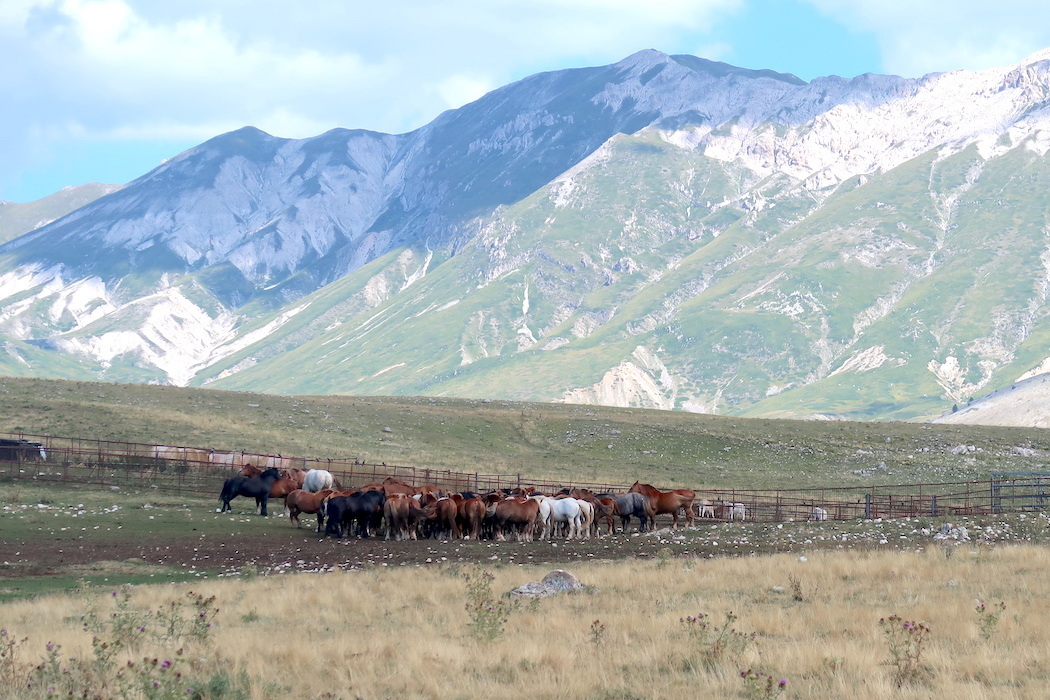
(1025, 451)
(557, 581)
(950, 532)
(963, 449)
(387, 429)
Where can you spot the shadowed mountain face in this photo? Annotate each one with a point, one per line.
(664, 231)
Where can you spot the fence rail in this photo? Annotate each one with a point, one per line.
(190, 470)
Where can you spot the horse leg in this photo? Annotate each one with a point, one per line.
(263, 500)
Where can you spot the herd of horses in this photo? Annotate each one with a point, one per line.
(401, 511)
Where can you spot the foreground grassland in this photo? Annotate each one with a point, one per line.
(404, 632)
(558, 441)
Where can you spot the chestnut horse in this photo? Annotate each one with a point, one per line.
(517, 513)
(667, 501)
(300, 501)
(470, 513)
(442, 513)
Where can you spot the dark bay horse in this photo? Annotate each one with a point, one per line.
(363, 507)
(254, 486)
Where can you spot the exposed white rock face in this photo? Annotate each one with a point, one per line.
(867, 360)
(1023, 404)
(172, 334)
(642, 381)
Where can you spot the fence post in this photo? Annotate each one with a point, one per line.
(933, 506)
(867, 506)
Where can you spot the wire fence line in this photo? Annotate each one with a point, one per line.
(201, 472)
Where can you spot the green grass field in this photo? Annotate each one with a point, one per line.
(558, 441)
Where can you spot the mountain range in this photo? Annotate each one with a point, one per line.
(665, 232)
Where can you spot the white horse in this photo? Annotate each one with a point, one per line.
(568, 511)
(317, 480)
(543, 519)
(586, 517)
(705, 509)
(819, 514)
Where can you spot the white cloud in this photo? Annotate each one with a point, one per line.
(921, 37)
(76, 71)
(458, 90)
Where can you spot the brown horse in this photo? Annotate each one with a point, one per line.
(390, 486)
(401, 513)
(282, 487)
(442, 512)
(609, 509)
(602, 509)
(299, 501)
(668, 501)
(471, 512)
(296, 475)
(519, 513)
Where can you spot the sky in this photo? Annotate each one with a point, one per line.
(105, 90)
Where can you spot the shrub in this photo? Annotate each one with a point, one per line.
(108, 672)
(487, 615)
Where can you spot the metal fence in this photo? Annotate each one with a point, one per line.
(187, 470)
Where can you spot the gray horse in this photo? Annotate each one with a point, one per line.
(636, 504)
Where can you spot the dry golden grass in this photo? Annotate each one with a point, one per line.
(393, 633)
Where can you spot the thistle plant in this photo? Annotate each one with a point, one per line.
(597, 633)
(906, 639)
(117, 630)
(13, 673)
(716, 643)
(762, 686)
(988, 618)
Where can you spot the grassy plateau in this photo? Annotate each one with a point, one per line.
(234, 605)
(585, 443)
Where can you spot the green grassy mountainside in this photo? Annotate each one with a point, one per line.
(557, 441)
(17, 219)
(656, 276)
(663, 232)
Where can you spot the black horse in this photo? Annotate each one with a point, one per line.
(257, 486)
(362, 507)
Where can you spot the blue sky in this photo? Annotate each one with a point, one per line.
(104, 90)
